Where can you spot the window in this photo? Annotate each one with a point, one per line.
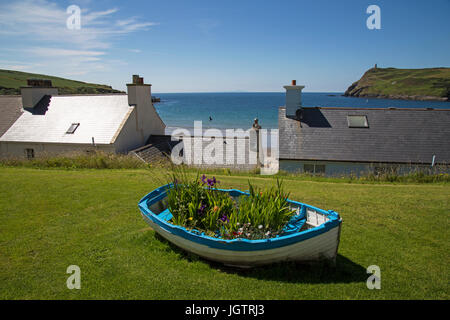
(314, 168)
(357, 122)
(29, 153)
(72, 128)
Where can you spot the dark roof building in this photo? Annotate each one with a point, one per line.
(352, 140)
(366, 135)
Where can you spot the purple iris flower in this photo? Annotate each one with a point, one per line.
(201, 210)
(212, 182)
(203, 179)
(224, 218)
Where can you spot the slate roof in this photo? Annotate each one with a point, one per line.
(10, 111)
(156, 148)
(99, 116)
(393, 135)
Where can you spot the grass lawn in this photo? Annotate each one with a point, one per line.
(50, 219)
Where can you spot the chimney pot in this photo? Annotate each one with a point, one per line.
(39, 83)
(294, 82)
(135, 78)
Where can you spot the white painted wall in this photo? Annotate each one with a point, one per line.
(17, 149)
(293, 99)
(148, 120)
(345, 168)
(130, 137)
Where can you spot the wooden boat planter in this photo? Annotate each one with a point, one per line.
(312, 234)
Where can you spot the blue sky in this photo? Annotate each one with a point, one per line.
(210, 46)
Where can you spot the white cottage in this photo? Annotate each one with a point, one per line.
(50, 123)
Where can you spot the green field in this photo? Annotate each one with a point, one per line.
(421, 84)
(53, 218)
(11, 81)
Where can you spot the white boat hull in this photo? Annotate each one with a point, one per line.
(321, 247)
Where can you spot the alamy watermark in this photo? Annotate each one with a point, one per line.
(74, 280)
(235, 148)
(374, 20)
(374, 280)
(73, 22)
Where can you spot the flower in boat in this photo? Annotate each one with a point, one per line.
(216, 208)
(260, 226)
(210, 182)
(190, 218)
(201, 210)
(224, 218)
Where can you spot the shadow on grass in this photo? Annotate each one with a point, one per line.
(345, 271)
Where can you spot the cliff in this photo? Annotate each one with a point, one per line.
(411, 84)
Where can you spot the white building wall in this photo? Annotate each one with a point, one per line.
(333, 168)
(130, 137)
(18, 149)
(148, 120)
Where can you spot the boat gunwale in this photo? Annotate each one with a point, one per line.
(199, 237)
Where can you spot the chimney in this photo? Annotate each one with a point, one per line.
(293, 98)
(138, 91)
(35, 90)
(140, 96)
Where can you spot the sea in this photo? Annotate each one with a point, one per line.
(238, 110)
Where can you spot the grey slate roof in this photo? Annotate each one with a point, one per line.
(156, 148)
(393, 135)
(99, 116)
(10, 111)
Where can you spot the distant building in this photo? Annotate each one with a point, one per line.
(40, 121)
(335, 141)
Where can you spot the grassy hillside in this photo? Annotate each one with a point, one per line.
(90, 218)
(11, 81)
(392, 83)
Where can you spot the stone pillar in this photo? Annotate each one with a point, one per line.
(255, 141)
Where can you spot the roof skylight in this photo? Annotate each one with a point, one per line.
(357, 121)
(72, 128)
